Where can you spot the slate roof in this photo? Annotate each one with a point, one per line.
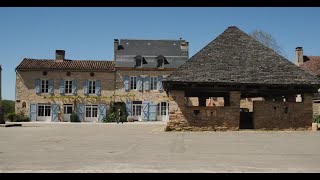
(237, 58)
(51, 64)
(151, 47)
(311, 64)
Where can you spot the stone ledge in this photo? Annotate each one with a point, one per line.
(9, 125)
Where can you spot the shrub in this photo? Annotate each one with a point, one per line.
(110, 118)
(12, 116)
(74, 117)
(316, 119)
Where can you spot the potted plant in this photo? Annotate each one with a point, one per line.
(315, 122)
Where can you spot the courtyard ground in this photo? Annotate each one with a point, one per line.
(145, 147)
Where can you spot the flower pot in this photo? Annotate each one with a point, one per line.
(314, 126)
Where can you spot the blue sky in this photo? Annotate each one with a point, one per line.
(88, 33)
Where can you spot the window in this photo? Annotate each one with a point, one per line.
(160, 62)
(68, 87)
(67, 109)
(91, 111)
(162, 109)
(136, 108)
(92, 87)
(133, 82)
(139, 62)
(153, 81)
(24, 105)
(44, 86)
(44, 110)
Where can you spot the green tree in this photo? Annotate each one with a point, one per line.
(8, 106)
(266, 39)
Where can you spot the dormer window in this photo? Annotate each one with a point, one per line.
(138, 61)
(161, 61)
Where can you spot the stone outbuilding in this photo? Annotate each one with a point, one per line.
(206, 91)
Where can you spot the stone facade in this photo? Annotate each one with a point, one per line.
(283, 115)
(135, 95)
(184, 117)
(26, 92)
(316, 108)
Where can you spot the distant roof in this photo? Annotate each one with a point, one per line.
(38, 64)
(151, 47)
(235, 57)
(311, 64)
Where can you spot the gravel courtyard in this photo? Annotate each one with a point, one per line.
(145, 147)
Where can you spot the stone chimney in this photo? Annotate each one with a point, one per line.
(115, 46)
(298, 60)
(185, 46)
(60, 55)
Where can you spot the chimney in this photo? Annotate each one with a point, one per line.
(185, 46)
(60, 55)
(298, 60)
(116, 44)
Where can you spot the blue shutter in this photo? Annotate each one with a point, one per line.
(38, 86)
(128, 107)
(140, 83)
(33, 112)
(146, 83)
(55, 109)
(74, 87)
(85, 87)
(160, 87)
(51, 88)
(61, 87)
(126, 82)
(102, 111)
(98, 87)
(152, 111)
(145, 110)
(80, 112)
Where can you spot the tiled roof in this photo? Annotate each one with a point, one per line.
(38, 64)
(311, 64)
(151, 47)
(237, 58)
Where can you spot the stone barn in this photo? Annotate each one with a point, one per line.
(207, 91)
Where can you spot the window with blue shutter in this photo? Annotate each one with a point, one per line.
(38, 86)
(33, 111)
(85, 87)
(51, 86)
(80, 112)
(98, 87)
(55, 108)
(139, 83)
(61, 86)
(102, 112)
(146, 83)
(74, 87)
(128, 107)
(145, 110)
(160, 87)
(126, 82)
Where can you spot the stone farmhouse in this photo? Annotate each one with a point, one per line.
(232, 67)
(51, 89)
(310, 64)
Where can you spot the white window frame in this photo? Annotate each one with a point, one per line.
(92, 87)
(44, 110)
(68, 86)
(92, 111)
(153, 83)
(133, 82)
(44, 86)
(136, 109)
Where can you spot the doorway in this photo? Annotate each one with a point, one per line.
(67, 111)
(246, 119)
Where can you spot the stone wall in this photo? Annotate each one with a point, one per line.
(25, 88)
(182, 117)
(316, 108)
(136, 95)
(272, 115)
(248, 102)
